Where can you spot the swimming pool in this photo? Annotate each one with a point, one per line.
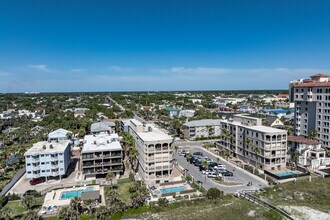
(285, 174)
(172, 189)
(73, 193)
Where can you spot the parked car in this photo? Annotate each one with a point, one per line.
(221, 166)
(182, 152)
(198, 162)
(198, 153)
(37, 180)
(228, 173)
(206, 172)
(213, 164)
(214, 175)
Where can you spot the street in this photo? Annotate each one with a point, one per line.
(240, 177)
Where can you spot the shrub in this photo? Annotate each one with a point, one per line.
(163, 202)
(214, 193)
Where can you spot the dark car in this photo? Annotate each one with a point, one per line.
(198, 162)
(198, 153)
(228, 173)
(37, 180)
(213, 164)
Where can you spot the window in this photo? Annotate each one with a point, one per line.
(61, 161)
(47, 162)
(42, 155)
(48, 170)
(29, 172)
(42, 163)
(28, 164)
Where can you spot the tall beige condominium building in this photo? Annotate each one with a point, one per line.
(312, 107)
(261, 146)
(155, 160)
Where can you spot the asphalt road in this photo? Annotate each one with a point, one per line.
(239, 176)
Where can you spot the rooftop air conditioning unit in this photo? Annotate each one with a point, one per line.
(51, 146)
(149, 128)
(44, 147)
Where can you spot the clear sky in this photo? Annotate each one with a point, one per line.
(68, 45)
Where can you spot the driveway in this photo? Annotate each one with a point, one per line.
(240, 176)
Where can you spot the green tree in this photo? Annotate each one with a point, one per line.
(313, 134)
(28, 202)
(214, 193)
(163, 202)
(31, 215)
(110, 176)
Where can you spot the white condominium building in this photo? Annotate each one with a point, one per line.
(261, 146)
(48, 159)
(155, 152)
(312, 107)
(205, 128)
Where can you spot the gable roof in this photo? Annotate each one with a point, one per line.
(59, 133)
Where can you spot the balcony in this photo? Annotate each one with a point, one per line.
(53, 158)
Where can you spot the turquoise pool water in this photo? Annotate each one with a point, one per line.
(285, 174)
(73, 193)
(172, 190)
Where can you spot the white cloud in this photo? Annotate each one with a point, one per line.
(78, 70)
(4, 73)
(41, 68)
(120, 69)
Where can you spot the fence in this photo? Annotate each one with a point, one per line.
(247, 195)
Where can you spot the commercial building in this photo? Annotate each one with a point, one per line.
(48, 159)
(101, 154)
(204, 128)
(312, 105)
(261, 146)
(155, 159)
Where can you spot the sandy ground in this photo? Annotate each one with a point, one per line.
(305, 213)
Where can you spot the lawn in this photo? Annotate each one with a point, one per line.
(227, 183)
(228, 208)
(315, 194)
(17, 208)
(123, 189)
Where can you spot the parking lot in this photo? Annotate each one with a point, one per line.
(240, 177)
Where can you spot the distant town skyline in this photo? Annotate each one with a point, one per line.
(61, 46)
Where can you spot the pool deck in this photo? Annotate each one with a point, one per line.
(185, 185)
(53, 198)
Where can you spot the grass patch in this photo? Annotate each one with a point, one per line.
(19, 210)
(315, 194)
(227, 183)
(123, 189)
(230, 208)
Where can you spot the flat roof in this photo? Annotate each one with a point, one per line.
(136, 122)
(44, 147)
(151, 133)
(101, 142)
(203, 122)
(265, 129)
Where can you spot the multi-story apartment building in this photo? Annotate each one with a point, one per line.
(155, 160)
(261, 146)
(202, 128)
(312, 105)
(48, 159)
(101, 154)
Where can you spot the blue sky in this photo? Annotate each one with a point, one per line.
(60, 45)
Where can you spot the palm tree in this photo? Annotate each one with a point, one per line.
(88, 203)
(133, 154)
(28, 202)
(102, 213)
(67, 213)
(205, 166)
(188, 156)
(256, 151)
(110, 177)
(75, 204)
(176, 148)
(313, 134)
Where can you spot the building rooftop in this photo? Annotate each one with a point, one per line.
(151, 133)
(203, 122)
(47, 147)
(303, 140)
(319, 75)
(312, 84)
(58, 133)
(265, 129)
(101, 126)
(101, 142)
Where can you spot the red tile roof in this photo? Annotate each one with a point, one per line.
(302, 140)
(319, 75)
(312, 84)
